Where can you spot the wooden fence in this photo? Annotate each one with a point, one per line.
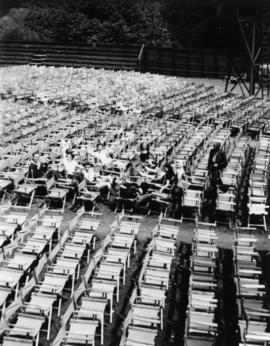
(191, 62)
(170, 61)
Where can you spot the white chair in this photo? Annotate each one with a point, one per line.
(27, 325)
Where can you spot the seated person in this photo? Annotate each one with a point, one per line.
(70, 164)
(138, 192)
(145, 154)
(168, 177)
(37, 167)
(89, 173)
(153, 174)
(102, 155)
(101, 183)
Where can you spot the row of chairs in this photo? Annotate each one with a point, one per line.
(12, 221)
(144, 320)
(201, 93)
(199, 178)
(253, 313)
(258, 185)
(18, 270)
(65, 260)
(201, 324)
(102, 291)
(231, 177)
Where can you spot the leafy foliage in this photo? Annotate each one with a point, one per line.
(161, 23)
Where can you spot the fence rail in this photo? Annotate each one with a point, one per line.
(179, 62)
(191, 63)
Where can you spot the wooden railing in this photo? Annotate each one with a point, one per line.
(178, 62)
(192, 62)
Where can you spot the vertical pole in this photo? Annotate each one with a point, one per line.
(252, 81)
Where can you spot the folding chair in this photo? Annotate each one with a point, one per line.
(118, 255)
(203, 301)
(225, 207)
(150, 293)
(81, 332)
(146, 315)
(20, 261)
(4, 185)
(4, 294)
(27, 325)
(74, 251)
(43, 185)
(93, 308)
(202, 323)
(156, 276)
(88, 194)
(159, 204)
(41, 303)
(10, 278)
(50, 218)
(255, 309)
(66, 266)
(159, 259)
(53, 284)
(257, 210)
(24, 196)
(191, 204)
(111, 270)
(124, 204)
(256, 332)
(124, 241)
(168, 228)
(205, 233)
(34, 246)
(44, 233)
(103, 289)
(8, 230)
(57, 196)
(14, 216)
(138, 336)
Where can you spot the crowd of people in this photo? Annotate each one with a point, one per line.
(134, 182)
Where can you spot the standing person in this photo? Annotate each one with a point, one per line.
(180, 185)
(216, 163)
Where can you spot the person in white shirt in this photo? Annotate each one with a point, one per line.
(89, 173)
(180, 185)
(70, 164)
(181, 178)
(102, 155)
